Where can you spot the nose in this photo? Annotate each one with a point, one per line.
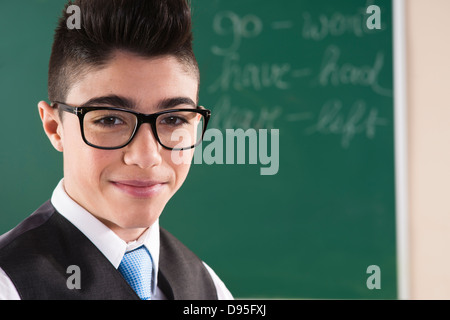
(144, 150)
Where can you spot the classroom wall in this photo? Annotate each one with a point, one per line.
(428, 94)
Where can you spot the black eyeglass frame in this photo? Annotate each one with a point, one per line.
(80, 112)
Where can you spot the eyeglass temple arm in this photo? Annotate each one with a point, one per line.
(203, 108)
(65, 107)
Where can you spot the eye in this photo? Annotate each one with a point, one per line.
(109, 121)
(173, 120)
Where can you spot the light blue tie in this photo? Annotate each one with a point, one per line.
(136, 268)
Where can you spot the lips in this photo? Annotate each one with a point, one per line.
(139, 188)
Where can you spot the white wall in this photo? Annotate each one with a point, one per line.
(428, 107)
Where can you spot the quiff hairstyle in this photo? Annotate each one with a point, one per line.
(147, 28)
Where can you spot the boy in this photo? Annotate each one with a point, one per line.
(123, 91)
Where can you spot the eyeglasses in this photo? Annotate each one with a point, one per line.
(113, 128)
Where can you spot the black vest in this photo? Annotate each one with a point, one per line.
(37, 253)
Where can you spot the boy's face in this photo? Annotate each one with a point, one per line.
(125, 188)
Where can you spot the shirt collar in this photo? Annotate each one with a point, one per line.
(112, 247)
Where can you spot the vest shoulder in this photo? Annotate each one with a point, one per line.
(183, 271)
(42, 248)
(170, 243)
(32, 222)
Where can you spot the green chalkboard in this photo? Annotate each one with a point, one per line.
(313, 71)
(293, 193)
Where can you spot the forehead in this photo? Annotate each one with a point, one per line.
(146, 81)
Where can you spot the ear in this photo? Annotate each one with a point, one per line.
(52, 124)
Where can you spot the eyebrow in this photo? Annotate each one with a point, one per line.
(111, 100)
(127, 103)
(175, 102)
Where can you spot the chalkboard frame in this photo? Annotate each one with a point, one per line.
(401, 151)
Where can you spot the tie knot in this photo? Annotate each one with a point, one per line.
(136, 268)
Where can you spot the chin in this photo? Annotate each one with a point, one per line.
(142, 219)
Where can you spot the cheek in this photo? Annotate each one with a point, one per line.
(85, 164)
(180, 162)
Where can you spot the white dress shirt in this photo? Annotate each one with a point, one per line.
(112, 247)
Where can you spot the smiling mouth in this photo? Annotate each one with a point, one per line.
(139, 188)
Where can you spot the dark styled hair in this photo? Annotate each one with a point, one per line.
(147, 28)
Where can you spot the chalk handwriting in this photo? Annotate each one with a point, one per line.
(338, 24)
(228, 23)
(330, 117)
(250, 75)
(228, 116)
(335, 72)
(334, 119)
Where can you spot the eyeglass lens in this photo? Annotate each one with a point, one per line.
(114, 128)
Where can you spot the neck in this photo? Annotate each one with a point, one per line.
(126, 234)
